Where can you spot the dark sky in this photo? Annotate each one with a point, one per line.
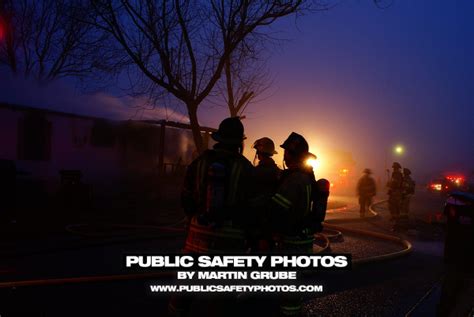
(361, 79)
(355, 78)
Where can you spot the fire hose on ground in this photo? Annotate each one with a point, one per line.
(322, 240)
(334, 233)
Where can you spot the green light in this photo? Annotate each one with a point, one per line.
(399, 149)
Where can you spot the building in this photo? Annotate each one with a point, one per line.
(107, 153)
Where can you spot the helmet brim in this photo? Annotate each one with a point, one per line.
(307, 155)
(268, 153)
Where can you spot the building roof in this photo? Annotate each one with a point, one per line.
(180, 125)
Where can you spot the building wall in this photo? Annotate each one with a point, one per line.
(72, 150)
(82, 143)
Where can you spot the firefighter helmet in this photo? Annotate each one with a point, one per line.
(231, 131)
(396, 165)
(406, 171)
(367, 171)
(297, 145)
(265, 145)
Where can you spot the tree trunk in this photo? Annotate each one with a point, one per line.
(230, 91)
(233, 112)
(195, 128)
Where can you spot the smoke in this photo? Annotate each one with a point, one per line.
(62, 97)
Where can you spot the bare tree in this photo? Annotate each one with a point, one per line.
(245, 73)
(245, 76)
(45, 39)
(182, 46)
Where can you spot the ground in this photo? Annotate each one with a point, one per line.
(389, 288)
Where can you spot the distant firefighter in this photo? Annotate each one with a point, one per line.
(408, 190)
(366, 190)
(395, 191)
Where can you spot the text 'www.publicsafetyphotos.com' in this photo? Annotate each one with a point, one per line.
(236, 288)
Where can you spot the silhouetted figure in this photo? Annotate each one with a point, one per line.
(408, 190)
(457, 294)
(266, 171)
(298, 208)
(395, 191)
(266, 175)
(218, 182)
(366, 190)
(215, 196)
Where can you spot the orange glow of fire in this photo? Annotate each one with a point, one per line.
(314, 163)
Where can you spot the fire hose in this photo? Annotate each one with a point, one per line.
(322, 241)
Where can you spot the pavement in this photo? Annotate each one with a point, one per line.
(394, 287)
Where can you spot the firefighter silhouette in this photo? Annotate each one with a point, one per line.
(298, 208)
(266, 175)
(215, 196)
(366, 190)
(266, 171)
(408, 190)
(395, 191)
